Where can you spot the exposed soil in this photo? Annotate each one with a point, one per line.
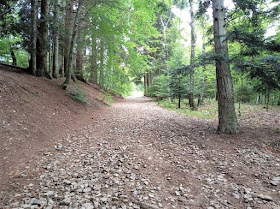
(34, 113)
(133, 154)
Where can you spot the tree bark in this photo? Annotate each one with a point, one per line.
(79, 57)
(67, 38)
(93, 75)
(201, 96)
(192, 58)
(227, 117)
(56, 40)
(34, 12)
(145, 84)
(13, 56)
(72, 39)
(42, 48)
(101, 69)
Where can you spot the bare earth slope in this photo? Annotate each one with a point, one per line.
(138, 155)
(34, 113)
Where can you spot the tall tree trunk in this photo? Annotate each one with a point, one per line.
(70, 47)
(56, 39)
(101, 68)
(204, 69)
(93, 75)
(227, 117)
(42, 48)
(148, 83)
(34, 12)
(179, 96)
(267, 98)
(79, 56)
(13, 56)
(145, 85)
(62, 68)
(67, 38)
(192, 59)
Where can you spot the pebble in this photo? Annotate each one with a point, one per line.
(87, 206)
(99, 170)
(265, 197)
(275, 181)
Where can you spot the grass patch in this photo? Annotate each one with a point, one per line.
(107, 98)
(208, 110)
(77, 94)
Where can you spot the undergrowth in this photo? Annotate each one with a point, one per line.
(107, 98)
(210, 108)
(76, 94)
(206, 111)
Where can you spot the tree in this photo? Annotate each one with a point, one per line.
(42, 44)
(93, 73)
(56, 24)
(34, 13)
(70, 39)
(227, 117)
(79, 55)
(192, 58)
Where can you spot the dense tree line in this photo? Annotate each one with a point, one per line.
(228, 57)
(94, 41)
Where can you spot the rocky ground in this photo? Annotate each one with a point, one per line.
(138, 155)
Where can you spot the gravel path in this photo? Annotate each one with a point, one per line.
(138, 155)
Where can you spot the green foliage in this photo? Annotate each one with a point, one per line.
(209, 111)
(159, 88)
(107, 98)
(76, 94)
(140, 37)
(244, 93)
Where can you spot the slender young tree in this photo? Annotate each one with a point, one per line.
(227, 117)
(101, 65)
(93, 75)
(202, 87)
(192, 58)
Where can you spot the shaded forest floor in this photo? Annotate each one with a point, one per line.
(133, 154)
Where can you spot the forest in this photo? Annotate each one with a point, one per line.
(139, 104)
(172, 50)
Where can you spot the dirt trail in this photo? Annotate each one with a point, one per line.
(138, 155)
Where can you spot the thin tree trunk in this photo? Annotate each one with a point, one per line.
(267, 99)
(192, 58)
(204, 69)
(148, 83)
(179, 96)
(94, 60)
(101, 69)
(227, 117)
(34, 12)
(13, 57)
(145, 84)
(62, 72)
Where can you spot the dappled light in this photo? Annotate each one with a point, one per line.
(143, 104)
